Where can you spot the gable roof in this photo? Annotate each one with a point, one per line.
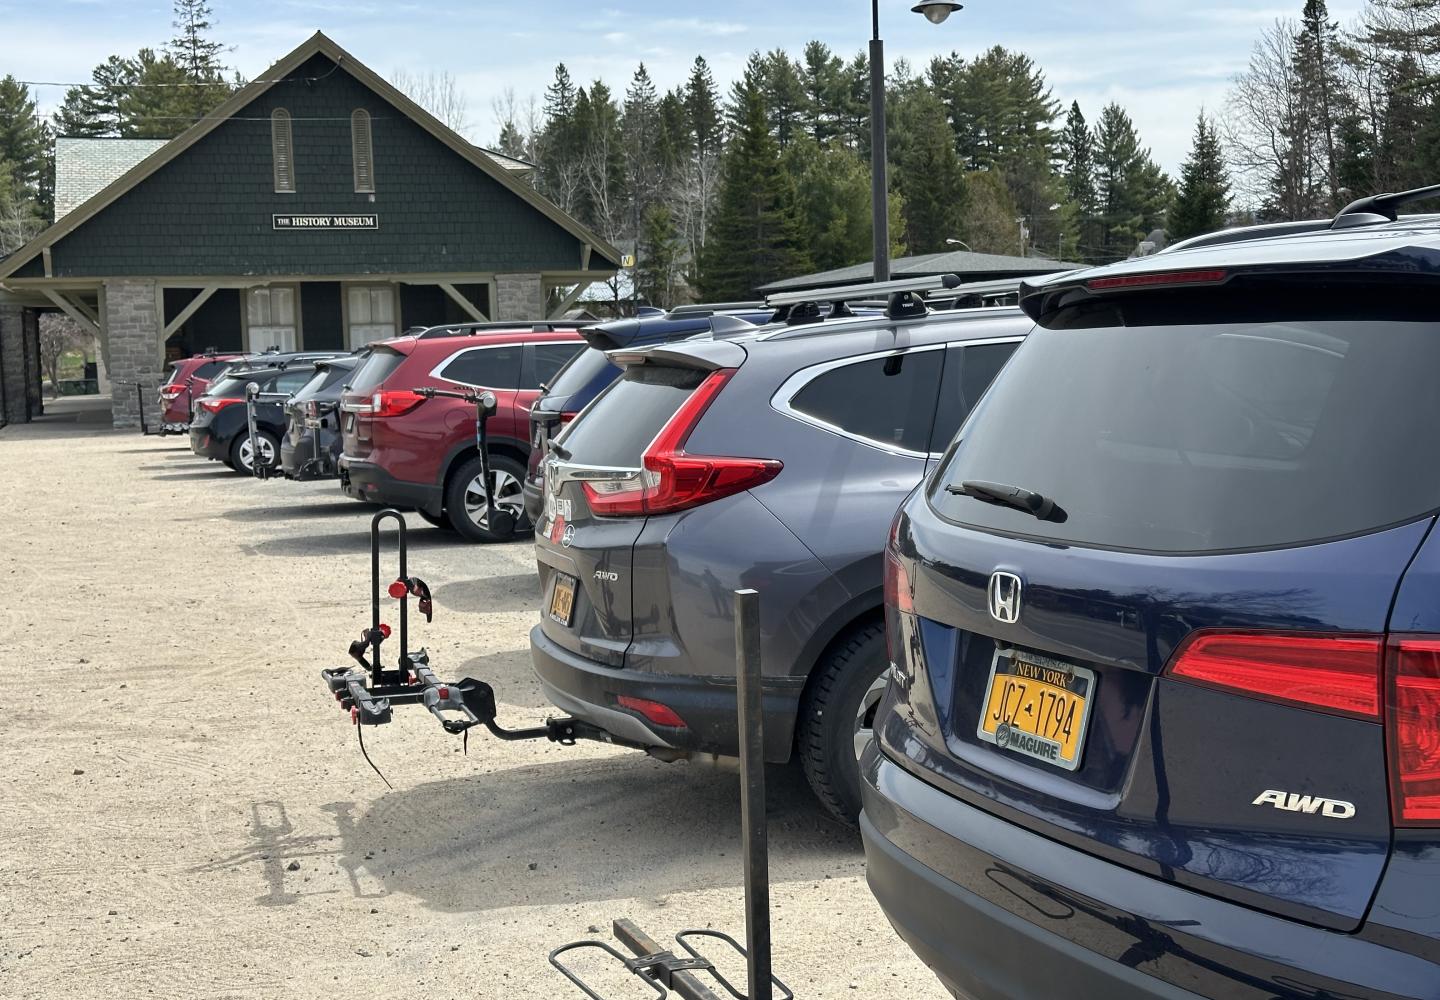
(316, 44)
(84, 167)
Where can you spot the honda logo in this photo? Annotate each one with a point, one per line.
(1004, 595)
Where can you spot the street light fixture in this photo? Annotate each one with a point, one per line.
(935, 11)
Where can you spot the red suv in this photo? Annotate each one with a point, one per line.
(189, 378)
(407, 451)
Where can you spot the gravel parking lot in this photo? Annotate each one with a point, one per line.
(188, 814)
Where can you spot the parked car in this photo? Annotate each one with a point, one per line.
(188, 380)
(310, 446)
(406, 451)
(220, 429)
(590, 371)
(1164, 716)
(773, 460)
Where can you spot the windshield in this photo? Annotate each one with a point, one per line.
(1205, 438)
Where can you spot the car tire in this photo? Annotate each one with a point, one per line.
(464, 501)
(435, 521)
(836, 716)
(269, 444)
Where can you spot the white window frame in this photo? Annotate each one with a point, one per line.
(347, 319)
(245, 316)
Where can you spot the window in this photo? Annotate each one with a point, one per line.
(375, 369)
(362, 152)
(209, 369)
(491, 367)
(270, 318)
(370, 313)
(292, 381)
(968, 373)
(627, 415)
(550, 358)
(283, 151)
(889, 400)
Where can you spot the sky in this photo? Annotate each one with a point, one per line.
(1161, 59)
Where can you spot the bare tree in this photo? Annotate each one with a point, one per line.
(436, 92)
(58, 336)
(1266, 132)
(18, 225)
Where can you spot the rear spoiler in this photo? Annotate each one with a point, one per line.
(704, 355)
(620, 334)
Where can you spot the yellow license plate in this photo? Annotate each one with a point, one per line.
(1037, 707)
(562, 599)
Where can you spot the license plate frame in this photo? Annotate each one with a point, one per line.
(562, 599)
(1041, 676)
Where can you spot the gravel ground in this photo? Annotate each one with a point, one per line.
(188, 814)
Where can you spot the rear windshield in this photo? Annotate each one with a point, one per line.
(227, 388)
(210, 369)
(625, 419)
(375, 369)
(582, 369)
(1206, 438)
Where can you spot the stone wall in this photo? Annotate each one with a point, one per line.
(12, 365)
(519, 297)
(132, 328)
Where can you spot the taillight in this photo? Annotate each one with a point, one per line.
(1157, 279)
(1412, 722)
(899, 595)
(660, 715)
(171, 391)
(1338, 674)
(568, 416)
(394, 402)
(216, 405)
(312, 409)
(672, 479)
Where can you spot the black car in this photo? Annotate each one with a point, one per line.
(311, 443)
(219, 429)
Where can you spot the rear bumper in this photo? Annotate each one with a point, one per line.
(534, 499)
(998, 911)
(589, 691)
(207, 445)
(370, 483)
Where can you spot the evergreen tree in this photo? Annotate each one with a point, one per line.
(756, 235)
(199, 57)
(821, 77)
(155, 105)
(833, 198)
(94, 111)
(658, 258)
(1133, 191)
(927, 172)
(602, 159)
(22, 140)
(1077, 154)
(640, 126)
(561, 173)
(702, 108)
(990, 214)
(699, 177)
(1203, 201)
(785, 96)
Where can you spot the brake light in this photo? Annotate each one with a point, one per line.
(170, 391)
(671, 478)
(568, 416)
(661, 715)
(216, 405)
(1412, 722)
(1157, 279)
(394, 402)
(1338, 674)
(899, 595)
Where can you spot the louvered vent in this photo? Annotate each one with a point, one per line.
(283, 150)
(362, 152)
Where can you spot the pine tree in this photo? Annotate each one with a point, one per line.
(658, 254)
(699, 176)
(820, 76)
(22, 140)
(94, 110)
(155, 105)
(990, 213)
(702, 108)
(1203, 201)
(1133, 191)
(602, 158)
(785, 96)
(756, 235)
(927, 172)
(561, 173)
(639, 129)
(832, 188)
(1077, 154)
(199, 57)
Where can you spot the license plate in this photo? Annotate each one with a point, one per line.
(562, 599)
(1037, 707)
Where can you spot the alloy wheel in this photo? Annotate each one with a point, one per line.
(508, 497)
(247, 454)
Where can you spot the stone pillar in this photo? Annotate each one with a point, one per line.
(519, 297)
(132, 329)
(13, 408)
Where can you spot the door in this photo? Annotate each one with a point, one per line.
(270, 318)
(369, 314)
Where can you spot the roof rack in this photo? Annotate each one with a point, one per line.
(709, 308)
(469, 329)
(1381, 207)
(903, 299)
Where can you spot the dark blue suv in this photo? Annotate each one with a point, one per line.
(1164, 630)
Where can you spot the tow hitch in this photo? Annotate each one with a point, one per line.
(370, 691)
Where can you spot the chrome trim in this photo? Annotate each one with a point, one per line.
(782, 399)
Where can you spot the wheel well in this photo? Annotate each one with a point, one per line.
(465, 454)
(868, 617)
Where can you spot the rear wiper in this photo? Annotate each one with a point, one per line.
(1017, 497)
(558, 450)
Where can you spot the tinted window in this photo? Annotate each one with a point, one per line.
(889, 400)
(316, 383)
(968, 373)
(582, 370)
(550, 358)
(210, 369)
(375, 369)
(227, 388)
(291, 381)
(492, 367)
(1205, 438)
(626, 418)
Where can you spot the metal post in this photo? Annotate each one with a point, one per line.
(879, 187)
(752, 793)
(140, 401)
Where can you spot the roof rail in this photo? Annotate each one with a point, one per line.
(904, 299)
(705, 308)
(1381, 207)
(1242, 234)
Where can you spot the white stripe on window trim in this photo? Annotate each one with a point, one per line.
(362, 152)
(283, 151)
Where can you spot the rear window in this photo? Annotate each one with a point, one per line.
(227, 388)
(210, 369)
(625, 419)
(375, 369)
(1207, 438)
(582, 370)
(550, 358)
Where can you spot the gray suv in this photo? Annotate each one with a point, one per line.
(774, 460)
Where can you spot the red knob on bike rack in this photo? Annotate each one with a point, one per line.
(384, 631)
(444, 693)
(355, 715)
(398, 589)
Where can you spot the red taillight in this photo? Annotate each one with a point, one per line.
(1335, 674)
(568, 416)
(899, 595)
(672, 479)
(661, 715)
(216, 405)
(171, 391)
(1413, 730)
(394, 402)
(1157, 279)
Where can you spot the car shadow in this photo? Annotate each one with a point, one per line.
(349, 542)
(295, 512)
(566, 831)
(512, 675)
(515, 592)
(199, 474)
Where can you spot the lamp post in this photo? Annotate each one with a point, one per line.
(935, 12)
